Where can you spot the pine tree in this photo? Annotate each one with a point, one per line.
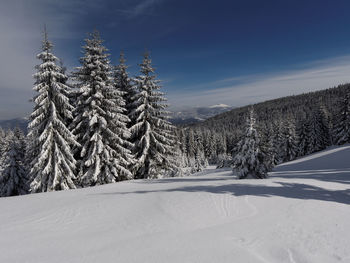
(274, 143)
(303, 138)
(342, 125)
(191, 148)
(183, 147)
(319, 137)
(289, 146)
(123, 83)
(208, 146)
(100, 120)
(52, 162)
(268, 140)
(200, 160)
(2, 145)
(177, 159)
(14, 179)
(152, 133)
(221, 146)
(250, 161)
(22, 143)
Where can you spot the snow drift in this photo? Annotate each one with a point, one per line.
(299, 214)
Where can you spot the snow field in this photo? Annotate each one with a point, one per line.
(299, 214)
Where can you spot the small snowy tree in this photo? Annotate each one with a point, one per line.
(52, 162)
(152, 133)
(342, 125)
(100, 120)
(13, 178)
(250, 160)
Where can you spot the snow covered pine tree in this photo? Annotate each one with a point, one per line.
(123, 83)
(125, 89)
(303, 137)
(342, 126)
(319, 137)
(152, 133)
(52, 164)
(100, 122)
(289, 147)
(14, 179)
(3, 146)
(250, 160)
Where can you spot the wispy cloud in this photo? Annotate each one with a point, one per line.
(256, 88)
(142, 8)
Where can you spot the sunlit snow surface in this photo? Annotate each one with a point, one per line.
(300, 214)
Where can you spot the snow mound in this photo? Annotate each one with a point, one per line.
(299, 214)
(334, 157)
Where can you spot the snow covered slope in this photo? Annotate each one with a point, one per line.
(300, 214)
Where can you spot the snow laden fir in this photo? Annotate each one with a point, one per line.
(103, 127)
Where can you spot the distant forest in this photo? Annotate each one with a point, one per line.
(289, 127)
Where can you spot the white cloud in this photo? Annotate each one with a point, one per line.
(256, 88)
(21, 25)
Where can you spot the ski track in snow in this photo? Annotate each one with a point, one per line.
(300, 214)
(222, 204)
(290, 254)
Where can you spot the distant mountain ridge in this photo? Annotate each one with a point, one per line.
(197, 114)
(186, 116)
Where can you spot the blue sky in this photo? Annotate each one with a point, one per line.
(206, 52)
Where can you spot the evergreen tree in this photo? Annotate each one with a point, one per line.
(200, 160)
(274, 142)
(152, 133)
(221, 146)
(2, 145)
(268, 140)
(123, 83)
(14, 179)
(177, 159)
(342, 125)
(191, 148)
(22, 143)
(209, 147)
(289, 146)
(52, 162)
(303, 138)
(319, 137)
(100, 120)
(183, 147)
(250, 161)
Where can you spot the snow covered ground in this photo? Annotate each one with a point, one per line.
(300, 214)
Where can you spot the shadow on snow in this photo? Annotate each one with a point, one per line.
(283, 189)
